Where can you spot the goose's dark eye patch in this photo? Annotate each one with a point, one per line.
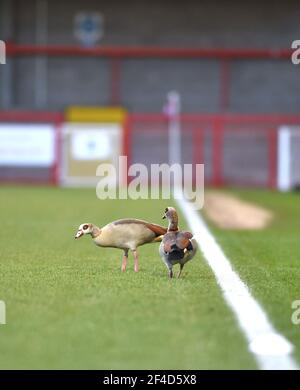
(85, 227)
(166, 210)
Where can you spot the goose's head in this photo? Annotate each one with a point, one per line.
(84, 228)
(170, 213)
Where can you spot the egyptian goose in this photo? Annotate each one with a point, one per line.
(177, 247)
(125, 234)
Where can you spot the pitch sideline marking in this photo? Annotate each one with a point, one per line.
(271, 350)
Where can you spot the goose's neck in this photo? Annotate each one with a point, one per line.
(173, 224)
(95, 232)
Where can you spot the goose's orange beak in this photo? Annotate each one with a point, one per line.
(79, 234)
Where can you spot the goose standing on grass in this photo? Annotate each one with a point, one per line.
(177, 247)
(125, 234)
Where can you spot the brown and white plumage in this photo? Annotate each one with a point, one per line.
(177, 247)
(125, 234)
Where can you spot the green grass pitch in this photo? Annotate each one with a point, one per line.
(70, 307)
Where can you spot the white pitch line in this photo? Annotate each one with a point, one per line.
(271, 350)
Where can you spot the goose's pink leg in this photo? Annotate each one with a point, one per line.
(124, 262)
(136, 261)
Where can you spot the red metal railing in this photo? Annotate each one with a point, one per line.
(139, 51)
(218, 126)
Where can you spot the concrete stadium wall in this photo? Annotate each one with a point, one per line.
(257, 86)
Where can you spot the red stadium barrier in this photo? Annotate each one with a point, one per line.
(235, 148)
(216, 127)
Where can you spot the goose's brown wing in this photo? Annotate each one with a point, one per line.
(183, 239)
(169, 240)
(180, 240)
(156, 229)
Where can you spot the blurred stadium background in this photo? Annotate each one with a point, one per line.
(107, 67)
(87, 81)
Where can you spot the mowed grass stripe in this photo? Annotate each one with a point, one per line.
(69, 306)
(268, 260)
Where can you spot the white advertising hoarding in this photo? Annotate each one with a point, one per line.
(85, 146)
(27, 145)
(94, 141)
(91, 145)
